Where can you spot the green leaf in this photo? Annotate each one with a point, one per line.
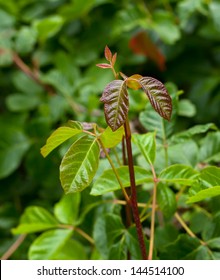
(118, 250)
(180, 248)
(165, 235)
(212, 228)
(79, 164)
(186, 108)
(197, 129)
(210, 147)
(48, 26)
(35, 219)
(18, 102)
(25, 40)
(207, 193)
(158, 96)
(164, 24)
(131, 240)
(210, 176)
(214, 243)
(183, 153)
(13, 146)
(147, 145)
(110, 139)
(6, 19)
(49, 244)
(72, 250)
(179, 173)
(66, 210)
(59, 136)
(166, 200)
(115, 98)
(108, 182)
(153, 122)
(215, 10)
(107, 229)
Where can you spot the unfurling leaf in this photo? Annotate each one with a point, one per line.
(158, 96)
(79, 164)
(115, 98)
(133, 81)
(108, 53)
(103, 65)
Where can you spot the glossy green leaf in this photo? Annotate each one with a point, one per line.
(48, 26)
(158, 96)
(207, 193)
(49, 244)
(59, 136)
(115, 98)
(35, 219)
(66, 210)
(72, 250)
(179, 173)
(110, 139)
(79, 164)
(210, 176)
(210, 147)
(166, 200)
(18, 102)
(108, 182)
(147, 145)
(13, 146)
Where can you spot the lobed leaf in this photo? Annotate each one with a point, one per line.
(108, 182)
(158, 96)
(59, 136)
(179, 173)
(79, 164)
(115, 98)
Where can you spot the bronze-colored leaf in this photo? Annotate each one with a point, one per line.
(103, 65)
(158, 96)
(115, 98)
(108, 53)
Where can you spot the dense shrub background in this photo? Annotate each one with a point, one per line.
(48, 52)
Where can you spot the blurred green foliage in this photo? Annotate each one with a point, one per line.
(48, 52)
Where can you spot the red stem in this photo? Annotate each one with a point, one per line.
(133, 191)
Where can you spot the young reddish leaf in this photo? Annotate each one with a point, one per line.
(108, 53)
(103, 65)
(133, 81)
(158, 96)
(114, 59)
(115, 98)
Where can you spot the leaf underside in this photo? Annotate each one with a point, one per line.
(158, 96)
(79, 164)
(115, 98)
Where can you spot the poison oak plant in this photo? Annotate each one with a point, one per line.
(80, 163)
(173, 180)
